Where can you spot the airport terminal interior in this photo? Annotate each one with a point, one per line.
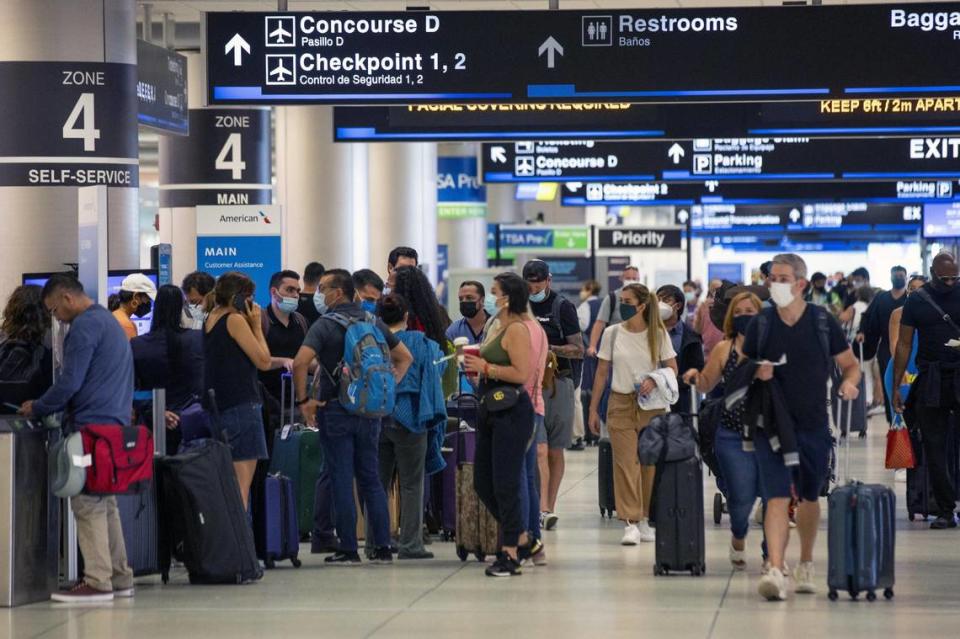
(626, 162)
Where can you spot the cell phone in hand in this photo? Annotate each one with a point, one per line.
(12, 407)
(240, 303)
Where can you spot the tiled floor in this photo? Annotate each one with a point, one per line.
(592, 588)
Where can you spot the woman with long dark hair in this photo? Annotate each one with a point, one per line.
(505, 427)
(170, 357)
(26, 361)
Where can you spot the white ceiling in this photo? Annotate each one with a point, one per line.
(189, 10)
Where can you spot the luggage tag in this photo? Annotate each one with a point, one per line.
(285, 432)
(82, 461)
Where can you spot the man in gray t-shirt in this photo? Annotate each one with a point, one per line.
(608, 316)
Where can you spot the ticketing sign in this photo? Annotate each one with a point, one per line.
(840, 55)
(775, 158)
(627, 120)
(732, 192)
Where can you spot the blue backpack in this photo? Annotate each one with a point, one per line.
(367, 386)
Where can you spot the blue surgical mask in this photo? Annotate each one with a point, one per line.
(369, 306)
(320, 302)
(536, 298)
(288, 304)
(490, 304)
(627, 311)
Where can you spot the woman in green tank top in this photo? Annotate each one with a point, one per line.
(505, 360)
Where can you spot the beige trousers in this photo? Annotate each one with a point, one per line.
(101, 543)
(632, 483)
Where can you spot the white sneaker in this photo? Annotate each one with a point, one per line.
(549, 521)
(773, 586)
(738, 558)
(647, 533)
(803, 579)
(631, 535)
(900, 476)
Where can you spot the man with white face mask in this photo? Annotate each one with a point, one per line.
(196, 286)
(810, 340)
(284, 329)
(686, 342)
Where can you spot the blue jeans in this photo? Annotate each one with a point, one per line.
(741, 479)
(351, 445)
(324, 516)
(530, 486)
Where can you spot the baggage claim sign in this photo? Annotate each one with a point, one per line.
(874, 58)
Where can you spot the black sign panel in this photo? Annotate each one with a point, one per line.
(68, 124)
(722, 54)
(823, 217)
(224, 160)
(625, 120)
(162, 89)
(663, 193)
(624, 237)
(721, 159)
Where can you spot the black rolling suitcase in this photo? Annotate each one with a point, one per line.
(605, 478)
(678, 513)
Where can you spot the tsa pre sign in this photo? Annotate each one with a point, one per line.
(241, 238)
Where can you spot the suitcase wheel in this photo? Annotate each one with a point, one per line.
(269, 564)
(717, 508)
(854, 594)
(871, 596)
(659, 571)
(832, 595)
(911, 516)
(296, 562)
(696, 571)
(481, 556)
(462, 553)
(888, 593)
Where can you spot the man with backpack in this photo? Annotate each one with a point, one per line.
(796, 345)
(360, 363)
(558, 317)
(609, 313)
(95, 387)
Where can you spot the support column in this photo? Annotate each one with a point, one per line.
(403, 202)
(323, 189)
(466, 237)
(60, 132)
(225, 160)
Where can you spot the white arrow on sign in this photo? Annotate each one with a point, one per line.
(676, 152)
(683, 216)
(794, 216)
(551, 47)
(498, 154)
(237, 45)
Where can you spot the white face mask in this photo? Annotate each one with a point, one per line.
(782, 294)
(629, 282)
(666, 311)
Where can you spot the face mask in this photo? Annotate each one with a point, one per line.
(898, 282)
(629, 282)
(387, 290)
(689, 296)
(584, 296)
(196, 314)
(288, 304)
(469, 309)
(939, 285)
(666, 311)
(781, 293)
(369, 306)
(320, 302)
(490, 304)
(143, 308)
(536, 298)
(627, 311)
(741, 322)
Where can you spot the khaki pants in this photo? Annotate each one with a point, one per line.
(632, 483)
(101, 543)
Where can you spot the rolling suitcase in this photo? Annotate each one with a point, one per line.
(605, 478)
(276, 532)
(297, 454)
(477, 530)
(921, 500)
(460, 446)
(861, 535)
(678, 511)
(205, 523)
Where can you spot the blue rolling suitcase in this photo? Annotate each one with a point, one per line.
(275, 516)
(861, 540)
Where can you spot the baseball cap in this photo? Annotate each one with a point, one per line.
(536, 271)
(139, 283)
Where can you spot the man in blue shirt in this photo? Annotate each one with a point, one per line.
(95, 387)
(474, 318)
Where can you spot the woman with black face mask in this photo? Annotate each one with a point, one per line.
(739, 477)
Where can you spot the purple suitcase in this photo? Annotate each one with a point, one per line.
(462, 413)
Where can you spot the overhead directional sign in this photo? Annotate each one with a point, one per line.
(162, 89)
(841, 53)
(721, 159)
(853, 217)
(688, 193)
(638, 238)
(889, 116)
(538, 239)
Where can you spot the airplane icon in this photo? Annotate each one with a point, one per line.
(279, 34)
(281, 69)
(280, 31)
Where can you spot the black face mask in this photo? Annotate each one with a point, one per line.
(469, 309)
(741, 322)
(939, 285)
(143, 308)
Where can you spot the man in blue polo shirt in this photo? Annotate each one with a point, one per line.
(474, 318)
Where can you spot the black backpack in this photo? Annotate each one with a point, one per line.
(20, 361)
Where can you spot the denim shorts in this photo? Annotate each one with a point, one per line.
(540, 430)
(776, 479)
(243, 425)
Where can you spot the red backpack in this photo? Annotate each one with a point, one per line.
(121, 458)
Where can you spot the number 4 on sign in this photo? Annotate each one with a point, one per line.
(87, 132)
(235, 164)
